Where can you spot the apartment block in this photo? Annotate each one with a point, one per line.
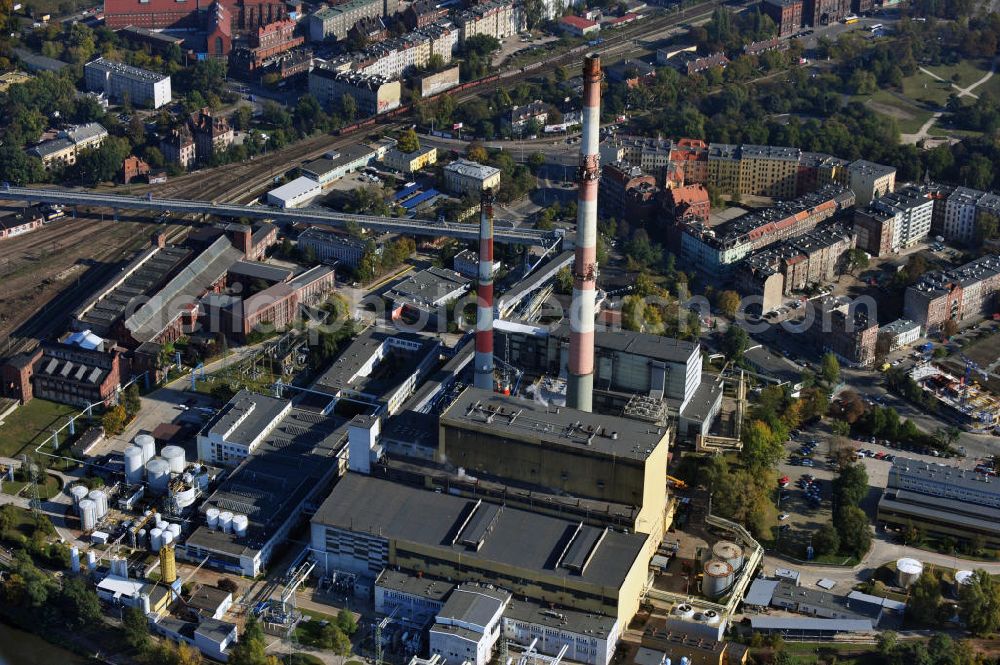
(496, 19)
(786, 14)
(123, 82)
(869, 180)
(63, 151)
(769, 171)
(337, 20)
(959, 295)
(373, 94)
(466, 177)
(396, 56)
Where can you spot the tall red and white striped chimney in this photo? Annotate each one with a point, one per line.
(484, 305)
(579, 393)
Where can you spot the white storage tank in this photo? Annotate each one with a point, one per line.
(158, 475)
(88, 514)
(212, 517)
(78, 492)
(226, 521)
(240, 524)
(175, 456)
(184, 496)
(100, 498)
(174, 529)
(166, 538)
(718, 577)
(133, 465)
(155, 539)
(730, 552)
(148, 446)
(74, 559)
(91, 560)
(908, 571)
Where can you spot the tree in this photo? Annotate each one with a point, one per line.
(924, 603)
(349, 106)
(857, 259)
(136, 131)
(830, 369)
(826, 540)
(346, 621)
(850, 487)
(564, 280)
(735, 343)
(228, 585)
(136, 628)
(17, 168)
(250, 649)
(536, 161)
(728, 303)
(78, 602)
(132, 401)
(887, 641)
(761, 447)
(949, 328)
(854, 530)
(408, 141)
(242, 117)
(477, 153)
(104, 163)
(114, 420)
(979, 604)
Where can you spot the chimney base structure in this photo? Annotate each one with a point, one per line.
(484, 301)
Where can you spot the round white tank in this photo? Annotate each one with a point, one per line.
(908, 571)
(717, 579)
(240, 524)
(226, 521)
(184, 496)
(78, 492)
(212, 517)
(133, 465)
(158, 475)
(155, 539)
(88, 514)
(100, 498)
(684, 611)
(711, 617)
(188, 479)
(145, 603)
(963, 578)
(91, 560)
(167, 538)
(175, 456)
(174, 529)
(140, 537)
(148, 446)
(730, 552)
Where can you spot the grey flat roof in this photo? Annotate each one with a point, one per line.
(248, 412)
(655, 347)
(458, 631)
(761, 592)
(207, 598)
(430, 284)
(705, 397)
(407, 514)
(258, 270)
(214, 629)
(346, 155)
(425, 587)
(474, 604)
(560, 618)
(946, 482)
(522, 419)
(791, 593)
(811, 625)
(342, 374)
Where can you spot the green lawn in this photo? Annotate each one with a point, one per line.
(969, 71)
(908, 114)
(47, 490)
(30, 425)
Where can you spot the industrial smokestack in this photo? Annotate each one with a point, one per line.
(579, 393)
(484, 305)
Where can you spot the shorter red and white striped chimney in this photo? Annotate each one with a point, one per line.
(484, 305)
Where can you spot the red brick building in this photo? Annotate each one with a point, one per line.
(219, 40)
(63, 373)
(278, 305)
(422, 13)
(617, 180)
(245, 15)
(687, 203)
(133, 167)
(786, 14)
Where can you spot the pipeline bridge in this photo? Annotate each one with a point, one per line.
(504, 231)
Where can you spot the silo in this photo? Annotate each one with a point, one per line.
(175, 456)
(240, 524)
(133, 465)
(144, 600)
(908, 571)
(174, 529)
(88, 514)
(91, 561)
(100, 499)
(155, 539)
(78, 492)
(718, 577)
(74, 559)
(140, 537)
(212, 517)
(226, 521)
(166, 538)
(148, 446)
(168, 564)
(730, 552)
(963, 578)
(158, 475)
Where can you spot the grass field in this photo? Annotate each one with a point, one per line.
(49, 489)
(969, 71)
(30, 425)
(909, 115)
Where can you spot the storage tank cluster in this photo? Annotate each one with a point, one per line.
(141, 460)
(908, 571)
(226, 522)
(163, 534)
(88, 514)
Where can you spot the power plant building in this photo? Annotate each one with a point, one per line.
(368, 524)
(123, 82)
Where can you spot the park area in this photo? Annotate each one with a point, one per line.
(31, 425)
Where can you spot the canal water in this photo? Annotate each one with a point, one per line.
(18, 647)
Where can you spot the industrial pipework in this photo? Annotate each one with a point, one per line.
(580, 388)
